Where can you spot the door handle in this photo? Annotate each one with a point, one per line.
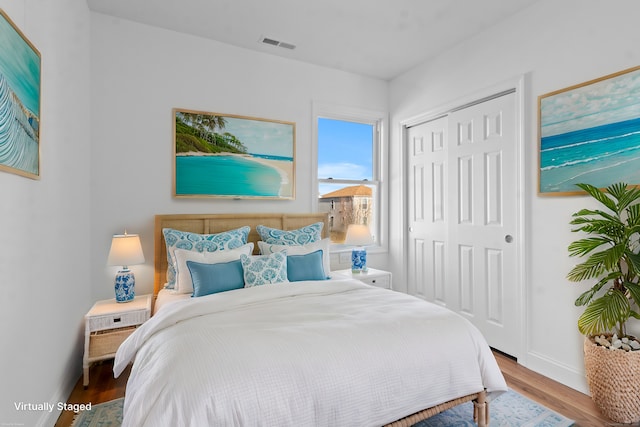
(508, 238)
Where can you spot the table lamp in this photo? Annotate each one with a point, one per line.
(125, 250)
(359, 236)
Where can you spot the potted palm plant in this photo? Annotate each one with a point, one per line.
(611, 249)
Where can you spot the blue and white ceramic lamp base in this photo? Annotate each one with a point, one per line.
(359, 260)
(125, 285)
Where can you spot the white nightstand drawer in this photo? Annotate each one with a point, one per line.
(373, 277)
(118, 320)
(379, 281)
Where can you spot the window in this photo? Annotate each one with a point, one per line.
(349, 168)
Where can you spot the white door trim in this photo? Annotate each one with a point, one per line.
(518, 85)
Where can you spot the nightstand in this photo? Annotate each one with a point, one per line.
(373, 277)
(108, 324)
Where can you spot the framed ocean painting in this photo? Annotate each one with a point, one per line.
(590, 133)
(225, 155)
(19, 102)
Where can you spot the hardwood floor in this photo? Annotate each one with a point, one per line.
(558, 397)
(102, 388)
(562, 399)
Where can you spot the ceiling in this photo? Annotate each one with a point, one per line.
(377, 38)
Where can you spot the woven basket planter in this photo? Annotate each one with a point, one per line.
(614, 381)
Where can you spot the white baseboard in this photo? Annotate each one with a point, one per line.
(48, 419)
(557, 371)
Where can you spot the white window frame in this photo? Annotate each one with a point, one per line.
(379, 119)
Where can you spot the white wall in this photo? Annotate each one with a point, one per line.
(555, 44)
(44, 224)
(139, 73)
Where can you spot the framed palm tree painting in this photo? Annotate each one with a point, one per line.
(19, 102)
(225, 155)
(590, 133)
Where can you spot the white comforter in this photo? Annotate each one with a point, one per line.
(329, 353)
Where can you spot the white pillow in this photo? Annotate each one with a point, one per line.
(266, 249)
(184, 285)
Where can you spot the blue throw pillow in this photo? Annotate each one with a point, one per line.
(305, 267)
(213, 278)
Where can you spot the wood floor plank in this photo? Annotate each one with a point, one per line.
(558, 397)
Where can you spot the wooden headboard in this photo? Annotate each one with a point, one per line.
(216, 223)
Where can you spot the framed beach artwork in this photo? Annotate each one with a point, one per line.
(19, 102)
(225, 155)
(590, 133)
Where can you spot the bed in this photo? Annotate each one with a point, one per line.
(306, 352)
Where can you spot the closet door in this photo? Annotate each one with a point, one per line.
(427, 210)
(463, 212)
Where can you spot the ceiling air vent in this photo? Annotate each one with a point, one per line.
(287, 45)
(272, 42)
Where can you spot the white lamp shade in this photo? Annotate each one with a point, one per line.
(125, 250)
(358, 235)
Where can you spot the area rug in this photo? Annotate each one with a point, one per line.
(509, 410)
(108, 414)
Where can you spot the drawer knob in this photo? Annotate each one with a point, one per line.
(116, 319)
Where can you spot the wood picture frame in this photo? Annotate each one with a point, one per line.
(20, 77)
(590, 133)
(226, 155)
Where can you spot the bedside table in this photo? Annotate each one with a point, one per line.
(373, 277)
(107, 325)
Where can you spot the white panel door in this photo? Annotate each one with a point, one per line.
(427, 208)
(464, 256)
(483, 226)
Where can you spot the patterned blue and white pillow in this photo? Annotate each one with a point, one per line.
(264, 269)
(176, 239)
(301, 236)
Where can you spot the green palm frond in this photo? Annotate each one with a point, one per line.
(597, 264)
(633, 263)
(604, 313)
(617, 190)
(584, 216)
(634, 292)
(586, 270)
(612, 228)
(626, 196)
(633, 215)
(599, 195)
(588, 295)
(584, 246)
(613, 256)
(633, 231)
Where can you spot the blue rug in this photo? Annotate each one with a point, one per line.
(108, 414)
(508, 410)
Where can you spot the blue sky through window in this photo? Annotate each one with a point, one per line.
(345, 150)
